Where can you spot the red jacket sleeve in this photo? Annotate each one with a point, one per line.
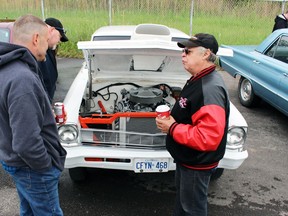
(206, 132)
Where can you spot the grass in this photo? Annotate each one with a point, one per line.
(230, 23)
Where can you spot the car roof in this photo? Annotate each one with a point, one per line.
(8, 25)
(275, 35)
(6, 30)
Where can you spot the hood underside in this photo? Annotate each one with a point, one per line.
(139, 55)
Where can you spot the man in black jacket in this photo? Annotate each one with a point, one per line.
(197, 128)
(281, 21)
(48, 67)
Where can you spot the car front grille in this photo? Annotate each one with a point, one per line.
(122, 139)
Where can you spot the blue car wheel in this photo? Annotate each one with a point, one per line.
(246, 93)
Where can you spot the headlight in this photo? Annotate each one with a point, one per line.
(236, 138)
(68, 133)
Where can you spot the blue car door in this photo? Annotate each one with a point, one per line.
(282, 54)
(283, 89)
(270, 73)
(265, 78)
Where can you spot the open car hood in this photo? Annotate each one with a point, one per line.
(132, 56)
(116, 56)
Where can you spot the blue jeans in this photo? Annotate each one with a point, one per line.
(191, 191)
(38, 191)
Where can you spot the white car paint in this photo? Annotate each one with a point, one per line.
(109, 62)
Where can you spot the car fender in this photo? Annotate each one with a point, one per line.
(73, 98)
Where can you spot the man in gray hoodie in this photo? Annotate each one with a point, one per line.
(30, 150)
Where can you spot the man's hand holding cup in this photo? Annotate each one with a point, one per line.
(164, 120)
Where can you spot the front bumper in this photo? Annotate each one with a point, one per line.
(125, 159)
(233, 159)
(114, 158)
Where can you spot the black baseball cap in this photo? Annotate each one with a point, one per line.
(57, 25)
(201, 39)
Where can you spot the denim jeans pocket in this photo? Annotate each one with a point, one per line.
(9, 169)
(49, 174)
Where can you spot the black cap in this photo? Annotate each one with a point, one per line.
(205, 40)
(57, 25)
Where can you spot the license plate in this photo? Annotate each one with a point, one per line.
(150, 165)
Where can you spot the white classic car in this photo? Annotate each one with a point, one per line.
(129, 71)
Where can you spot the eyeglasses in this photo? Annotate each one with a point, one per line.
(186, 51)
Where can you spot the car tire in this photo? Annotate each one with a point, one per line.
(78, 174)
(217, 174)
(246, 93)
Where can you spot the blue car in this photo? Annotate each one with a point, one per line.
(263, 71)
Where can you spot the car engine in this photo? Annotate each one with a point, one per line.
(134, 99)
(143, 99)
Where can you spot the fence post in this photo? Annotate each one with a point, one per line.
(110, 12)
(283, 6)
(191, 17)
(43, 9)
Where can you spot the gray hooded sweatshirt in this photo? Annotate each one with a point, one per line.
(28, 131)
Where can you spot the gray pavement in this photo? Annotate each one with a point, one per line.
(257, 188)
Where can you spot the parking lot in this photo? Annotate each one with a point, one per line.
(258, 187)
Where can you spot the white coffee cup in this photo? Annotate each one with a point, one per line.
(163, 111)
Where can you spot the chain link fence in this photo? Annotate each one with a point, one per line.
(191, 16)
(172, 11)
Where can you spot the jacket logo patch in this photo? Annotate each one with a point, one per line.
(183, 102)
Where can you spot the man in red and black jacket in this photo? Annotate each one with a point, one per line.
(197, 128)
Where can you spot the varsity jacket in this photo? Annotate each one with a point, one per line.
(28, 131)
(197, 139)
